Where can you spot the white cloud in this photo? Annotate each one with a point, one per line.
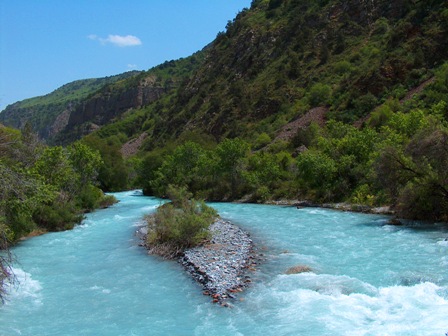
(124, 41)
(132, 66)
(117, 40)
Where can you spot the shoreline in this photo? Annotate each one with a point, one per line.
(303, 203)
(341, 206)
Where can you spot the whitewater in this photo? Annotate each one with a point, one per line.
(368, 278)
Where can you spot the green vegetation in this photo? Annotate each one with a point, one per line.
(227, 171)
(399, 162)
(279, 59)
(5, 262)
(216, 132)
(178, 225)
(43, 188)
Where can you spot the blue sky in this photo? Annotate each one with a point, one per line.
(45, 44)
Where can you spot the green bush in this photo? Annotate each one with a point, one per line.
(179, 225)
(343, 67)
(91, 198)
(380, 116)
(262, 140)
(263, 194)
(319, 94)
(58, 216)
(363, 195)
(419, 200)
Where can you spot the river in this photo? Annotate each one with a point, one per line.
(368, 278)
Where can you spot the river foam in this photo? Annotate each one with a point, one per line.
(315, 305)
(23, 287)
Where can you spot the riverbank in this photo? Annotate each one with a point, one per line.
(343, 206)
(222, 265)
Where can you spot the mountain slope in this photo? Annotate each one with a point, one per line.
(80, 107)
(281, 58)
(112, 101)
(275, 62)
(49, 114)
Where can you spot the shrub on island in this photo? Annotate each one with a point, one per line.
(183, 223)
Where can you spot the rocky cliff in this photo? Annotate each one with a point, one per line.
(111, 102)
(49, 114)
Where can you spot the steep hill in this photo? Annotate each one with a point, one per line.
(279, 59)
(112, 101)
(49, 114)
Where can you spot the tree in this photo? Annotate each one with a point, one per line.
(317, 171)
(30, 148)
(113, 174)
(5, 259)
(147, 170)
(8, 140)
(232, 154)
(416, 177)
(263, 174)
(21, 192)
(184, 167)
(85, 161)
(319, 94)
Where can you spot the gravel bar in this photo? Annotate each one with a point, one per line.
(221, 266)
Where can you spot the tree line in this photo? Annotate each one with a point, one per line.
(398, 158)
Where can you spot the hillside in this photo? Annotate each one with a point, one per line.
(80, 107)
(279, 59)
(112, 101)
(49, 114)
(274, 62)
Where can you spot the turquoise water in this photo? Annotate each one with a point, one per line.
(369, 278)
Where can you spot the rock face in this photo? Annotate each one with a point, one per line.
(221, 266)
(112, 103)
(50, 114)
(108, 105)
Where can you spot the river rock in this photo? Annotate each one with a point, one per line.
(298, 269)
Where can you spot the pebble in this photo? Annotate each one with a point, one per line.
(220, 266)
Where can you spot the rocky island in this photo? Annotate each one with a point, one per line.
(222, 264)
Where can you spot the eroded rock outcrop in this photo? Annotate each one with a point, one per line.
(112, 102)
